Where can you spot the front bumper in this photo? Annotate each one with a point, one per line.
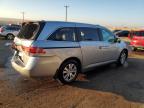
(2, 35)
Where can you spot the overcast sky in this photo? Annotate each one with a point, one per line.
(107, 12)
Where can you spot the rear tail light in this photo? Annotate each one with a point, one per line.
(33, 50)
(1, 30)
(13, 46)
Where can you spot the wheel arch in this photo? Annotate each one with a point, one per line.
(75, 59)
(126, 50)
(10, 34)
(70, 58)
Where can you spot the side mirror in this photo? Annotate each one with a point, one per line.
(117, 40)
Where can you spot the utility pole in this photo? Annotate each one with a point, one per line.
(66, 17)
(23, 16)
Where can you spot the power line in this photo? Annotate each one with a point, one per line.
(66, 17)
(23, 17)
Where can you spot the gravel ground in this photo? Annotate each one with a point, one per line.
(5, 52)
(104, 87)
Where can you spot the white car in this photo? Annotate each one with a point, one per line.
(9, 32)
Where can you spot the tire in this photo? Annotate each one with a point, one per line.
(10, 36)
(6, 38)
(68, 71)
(134, 49)
(122, 58)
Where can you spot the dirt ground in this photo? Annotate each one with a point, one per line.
(105, 87)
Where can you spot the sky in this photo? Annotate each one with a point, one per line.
(105, 12)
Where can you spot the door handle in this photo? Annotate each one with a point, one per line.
(103, 47)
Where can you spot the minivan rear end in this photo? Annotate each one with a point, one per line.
(35, 55)
(137, 39)
(23, 59)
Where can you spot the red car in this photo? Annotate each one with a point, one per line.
(137, 39)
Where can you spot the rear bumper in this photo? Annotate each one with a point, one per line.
(136, 44)
(21, 70)
(35, 67)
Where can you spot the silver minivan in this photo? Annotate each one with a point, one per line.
(64, 49)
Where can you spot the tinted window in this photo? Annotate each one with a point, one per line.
(17, 28)
(64, 34)
(13, 28)
(89, 34)
(10, 28)
(28, 31)
(107, 35)
(116, 31)
(123, 33)
(139, 33)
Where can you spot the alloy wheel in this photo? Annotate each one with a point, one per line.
(70, 72)
(123, 58)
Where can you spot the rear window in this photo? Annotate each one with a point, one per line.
(29, 31)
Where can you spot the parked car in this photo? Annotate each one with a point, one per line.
(9, 31)
(122, 33)
(64, 49)
(137, 39)
(116, 31)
